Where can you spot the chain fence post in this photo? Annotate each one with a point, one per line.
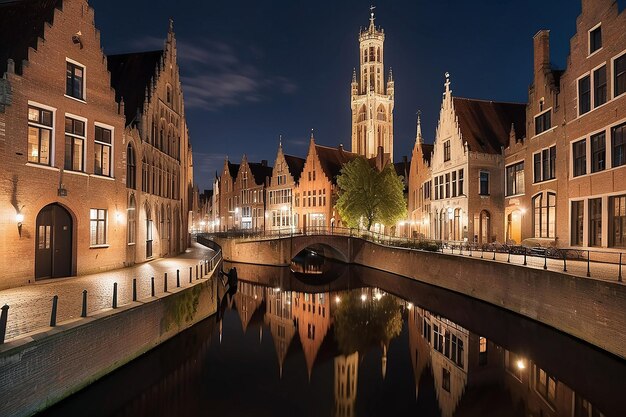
(83, 312)
(4, 316)
(53, 315)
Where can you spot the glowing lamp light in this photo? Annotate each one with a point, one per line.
(409, 306)
(523, 211)
(284, 208)
(337, 299)
(363, 297)
(19, 217)
(520, 364)
(378, 296)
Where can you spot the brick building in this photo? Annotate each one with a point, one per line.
(420, 186)
(467, 167)
(250, 183)
(158, 153)
(63, 145)
(227, 196)
(281, 190)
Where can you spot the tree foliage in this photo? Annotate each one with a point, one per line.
(365, 193)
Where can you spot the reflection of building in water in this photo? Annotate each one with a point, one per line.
(248, 300)
(279, 318)
(312, 315)
(346, 378)
(541, 393)
(467, 365)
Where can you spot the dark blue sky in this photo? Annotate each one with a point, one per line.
(254, 70)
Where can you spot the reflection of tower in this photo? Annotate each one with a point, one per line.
(346, 378)
(372, 102)
(279, 319)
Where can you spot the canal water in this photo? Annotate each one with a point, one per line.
(325, 339)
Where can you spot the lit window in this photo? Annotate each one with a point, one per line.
(98, 220)
(484, 183)
(74, 144)
(39, 135)
(617, 222)
(618, 145)
(446, 151)
(544, 206)
(515, 179)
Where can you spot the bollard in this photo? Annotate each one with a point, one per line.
(482, 253)
(545, 259)
(114, 304)
(508, 259)
(470, 251)
(134, 289)
(564, 263)
(53, 315)
(619, 275)
(152, 285)
(190, 275)
(165, 283)
(201, 274)
(494, 254)
(588, 265)
(83, 312)
(3, 322)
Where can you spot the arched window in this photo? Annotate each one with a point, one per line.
(144, 176)
(131, 169)
(485, 227)
(381, 114)
(132, 221)
(161, 136)
(169, 222)
(544, 215)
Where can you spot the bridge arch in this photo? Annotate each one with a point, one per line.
(331, 247)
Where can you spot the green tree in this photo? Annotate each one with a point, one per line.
(365, 193)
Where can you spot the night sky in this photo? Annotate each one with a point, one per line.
(254, 70)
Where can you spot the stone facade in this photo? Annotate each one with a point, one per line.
(371, 101)
(63, 141)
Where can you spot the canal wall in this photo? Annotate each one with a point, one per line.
(41, 368)
(589, 309)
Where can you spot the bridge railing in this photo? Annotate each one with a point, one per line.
(601, 264)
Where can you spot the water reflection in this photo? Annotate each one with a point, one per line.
(348, 349)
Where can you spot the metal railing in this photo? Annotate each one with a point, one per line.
(130, 295)
(607, 265)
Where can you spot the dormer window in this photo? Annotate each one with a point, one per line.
(595, 39)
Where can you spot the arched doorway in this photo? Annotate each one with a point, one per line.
(485, 226)
(514, 226)
(149, 236)
(53, 242)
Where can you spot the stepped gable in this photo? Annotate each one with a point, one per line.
(131, 77)
(21, 26)
(486, 125)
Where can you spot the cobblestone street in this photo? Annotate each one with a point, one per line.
(30, 306)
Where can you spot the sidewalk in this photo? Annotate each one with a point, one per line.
(30, 306)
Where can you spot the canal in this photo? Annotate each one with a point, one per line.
(327, 339)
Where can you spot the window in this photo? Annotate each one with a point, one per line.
(619, 76)
(578, 217)
(595, 39)
(102, 161)
(543, 122)
(461, 191)
(484, 183)
(145, 178)
(599, 87)
(584, 95)
(544, 207)
(446, 151)
(482, 351)
(74, 81)
(545, 164)
(580, 157)
(448, 185)
(131, 220)
(74, 144)
(454, 184)
(131, 169)
(98, 220)
(515, 179)
(512, 364)
(39, 135)
(598, 152)
(445, 381)
(436, 188)
(618, 145)
(618, 221)
(545, 385)
(437, 338)
(595, 222)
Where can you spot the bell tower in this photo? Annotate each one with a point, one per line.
(371, 98)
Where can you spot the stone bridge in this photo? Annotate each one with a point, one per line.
(280, 251)
(589, 309)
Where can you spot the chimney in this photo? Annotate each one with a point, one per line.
(264, 162)
(541, 43)
(405, 159)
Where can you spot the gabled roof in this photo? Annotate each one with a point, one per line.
(131, 74)
(295, 165)
(233, 169)
(486, 125)
(333, 159)
(260, 172)
(21, 24)
(427, 151)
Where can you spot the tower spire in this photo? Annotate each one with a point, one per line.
(419, 127)
(280, 141)
(372, 18)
